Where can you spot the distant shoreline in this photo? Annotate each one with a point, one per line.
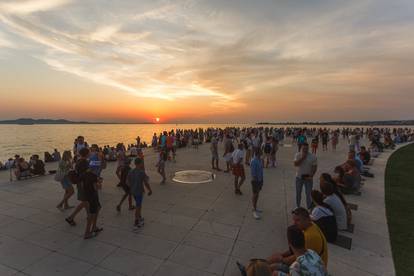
(30, 121)
(348, 123)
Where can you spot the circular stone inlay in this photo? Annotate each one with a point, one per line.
(193, 177)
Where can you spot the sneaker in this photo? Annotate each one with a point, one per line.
(136, 225)
(256, 215)
(257, 210)
(140, 223)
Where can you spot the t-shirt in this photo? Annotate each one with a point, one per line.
(359, 164)
(315, 240)
(81, 167)
(325, 137)
(301, 139)
(124, 174)
(163, 140)
(339, 210)
(89, 181)
(237, 156)
(305, 168)
(121, 157)
(170, 141)
(320, 212)
(78, 147)
(133, 151)
(256, 141)
(256, 168)
(136, 178)
(352, 140)
(309, 264)
(213, 146)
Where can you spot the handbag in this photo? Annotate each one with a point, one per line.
(59, 175)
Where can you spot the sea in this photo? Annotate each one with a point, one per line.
(27, 140)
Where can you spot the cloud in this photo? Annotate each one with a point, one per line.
(5, 42)
(31, 6)
(223, 53)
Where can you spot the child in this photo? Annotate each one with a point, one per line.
(137, 179)
(124, 174)
(162, 158)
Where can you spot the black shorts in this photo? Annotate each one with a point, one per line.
(93, 206)
(257, 186)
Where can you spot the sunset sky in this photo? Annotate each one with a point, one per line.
(207, 60)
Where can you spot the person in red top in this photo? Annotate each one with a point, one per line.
(169, 144)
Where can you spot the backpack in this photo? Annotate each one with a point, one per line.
(328, 226)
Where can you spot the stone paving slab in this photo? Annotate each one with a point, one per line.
(197, 229)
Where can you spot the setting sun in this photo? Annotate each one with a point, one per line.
(157, 120)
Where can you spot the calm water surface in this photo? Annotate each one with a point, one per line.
(36, 139)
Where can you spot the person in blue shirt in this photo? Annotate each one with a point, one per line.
(360, 165)
(256, 170)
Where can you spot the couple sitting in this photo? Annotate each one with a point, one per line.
(26, 169)
(348, 175)
(307, 254)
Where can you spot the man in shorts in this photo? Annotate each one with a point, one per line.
(124, 174)
(256, 168)
(137, 180)
(81, 167)
(91, 183)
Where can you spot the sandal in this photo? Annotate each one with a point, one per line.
(70, 221)
(88, 236)
(97, 230)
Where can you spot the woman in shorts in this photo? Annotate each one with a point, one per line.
(65, 165)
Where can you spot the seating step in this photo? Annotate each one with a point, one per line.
(343, 241)
(350, 228)
(353, 206)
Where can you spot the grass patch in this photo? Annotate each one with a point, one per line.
(399, 200)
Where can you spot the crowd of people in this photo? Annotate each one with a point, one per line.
(325, 213)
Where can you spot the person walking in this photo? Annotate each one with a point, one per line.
(65, 165)
(256, 169)
(238, 169)
(137, 180)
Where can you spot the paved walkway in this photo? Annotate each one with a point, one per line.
(197, 229)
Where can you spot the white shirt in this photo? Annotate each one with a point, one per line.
(133, 151)
(352, 140)
(237, 156)
(305, 168)
(320, 212)
(256, 142)
(339, 210)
